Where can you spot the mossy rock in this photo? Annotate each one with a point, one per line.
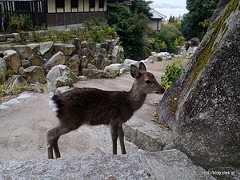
(202, 108)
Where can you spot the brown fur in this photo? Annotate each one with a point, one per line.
(95, 107)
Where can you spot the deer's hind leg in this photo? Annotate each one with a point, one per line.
(52, 140)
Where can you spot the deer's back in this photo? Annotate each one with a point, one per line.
(92, 106)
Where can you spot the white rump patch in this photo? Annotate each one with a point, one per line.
(52, 104)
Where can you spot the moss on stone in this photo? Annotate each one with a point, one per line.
(172, 103)
(218, 29)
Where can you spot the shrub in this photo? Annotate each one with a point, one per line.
(95, 33)
(195, 22)
(171, 74)
(130, 23)
(156, 45)
(5, 90)
(169, 38)
(20, 23)
(131, 28)
(65, 36)
(91, 31)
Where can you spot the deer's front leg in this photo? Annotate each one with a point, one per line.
(121, 138)
(114, 133)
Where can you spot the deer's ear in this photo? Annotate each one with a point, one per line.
(142, 67)
(134, 71)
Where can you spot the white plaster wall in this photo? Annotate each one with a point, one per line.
(52, 6)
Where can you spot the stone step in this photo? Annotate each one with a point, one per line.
(146, 133)
(171, 164)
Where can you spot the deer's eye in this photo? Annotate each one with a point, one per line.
(148, 81)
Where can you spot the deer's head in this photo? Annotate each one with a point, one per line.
(145, 81)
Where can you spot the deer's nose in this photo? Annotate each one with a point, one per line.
(161, 90)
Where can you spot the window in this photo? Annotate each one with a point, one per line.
(74, 3)
(101, 3)
(22, 6)
(59, 3)
(91, 4)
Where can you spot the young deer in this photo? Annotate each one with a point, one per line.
(95, 107)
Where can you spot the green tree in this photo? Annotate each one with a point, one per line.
(195, 22)
(171, 74)
(171, 36)
(131, 32)
(130, 24)
(176, 21)
(141, 7)
(172, 19)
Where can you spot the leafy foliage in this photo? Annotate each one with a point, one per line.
(5, 90)
(176, 21)
(131, 32)
(20, 23)
(168, 39)
(141, 7)
(130, 24)
(195, 23)
(95, 33)
(171, 74)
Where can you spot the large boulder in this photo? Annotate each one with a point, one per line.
(84, 62)
(117, 55)
(26, 36)
(172, 165)
(24, 51)
(165, 55)
(91, 66)
(3, 38)
(3, 70)
(100, 58)
(16, 82)
(202, 109)
(12, 60)
(125, 66)
(34, 74)
(194, 42)
(113, 68)
(128, 62)
(60, 75)
(36, 60)
(16, 37)
(45, 47)
(56, 59)
(155, 57)
(67, 49)
(74, 64)
(35, 47)
(84, 44)
(86, 54)
(77, 43)
(191, 50)
(110, 45)
(26, 63)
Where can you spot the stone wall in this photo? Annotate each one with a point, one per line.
(32, 61)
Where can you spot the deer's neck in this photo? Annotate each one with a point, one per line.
(136, 97)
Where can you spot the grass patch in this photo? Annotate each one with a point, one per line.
(95, 33)
(6, 91)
